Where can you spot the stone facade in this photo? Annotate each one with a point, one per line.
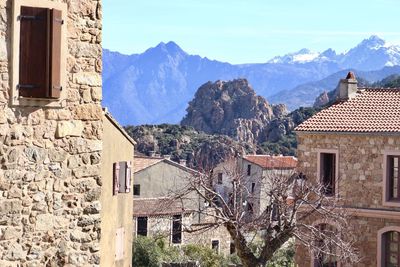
(360, 186)
(50, 181)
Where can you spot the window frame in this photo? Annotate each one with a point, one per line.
(17, 100)
(135, 188)
(380, 246)
(385, 179)
(329, 151)
(176, 218)
(219, 178)
(145, 218)
(217, 249)
(248, 169)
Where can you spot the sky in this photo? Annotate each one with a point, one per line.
(247, 31)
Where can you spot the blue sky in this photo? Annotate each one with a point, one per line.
(240, 31)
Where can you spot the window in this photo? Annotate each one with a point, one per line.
(328, 173)
(253, 186)
(177, 229)
(248, 169)
(393, 178)
(215, 245)
(142, 226)
(119, 244)
(232, 248)
(136, 189)
(391, 249)
(39, 47)
(322, 259)
(122, 177)
(388, 249)
(219, 178)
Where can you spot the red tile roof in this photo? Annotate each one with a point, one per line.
(371, 110)
(141, 163)
(157, 207)
(273, 162)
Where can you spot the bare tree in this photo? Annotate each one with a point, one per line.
(284, 206)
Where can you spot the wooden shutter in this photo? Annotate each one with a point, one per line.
(55, 70)
(116, 168)
(128, 177)
(34, 52)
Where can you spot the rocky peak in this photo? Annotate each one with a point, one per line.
(231, 108)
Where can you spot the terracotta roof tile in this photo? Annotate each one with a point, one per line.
(141, 163)
(157, 207)
(273, 162)
(371, 110)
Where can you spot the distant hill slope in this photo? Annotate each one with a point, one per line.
(155, 86)
(305, 94)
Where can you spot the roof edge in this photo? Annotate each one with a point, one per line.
(108, 115)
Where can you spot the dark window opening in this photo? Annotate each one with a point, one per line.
(177, 229)
(136, 189)
(253, 186)
(40, 52)
(215, 245)
(219, 178)
(326, 259)
(250, 208)
(391, 249)
(248, 169)
(328, 173)
(232, 248)
(142, 226)
(393, 173)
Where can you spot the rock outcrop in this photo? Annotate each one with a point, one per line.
(232, 108)
(199, 150)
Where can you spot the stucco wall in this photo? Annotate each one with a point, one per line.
(117, 209)
(163, 179)
(50, 157)
(360, 184)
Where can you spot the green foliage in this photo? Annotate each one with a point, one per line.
(151, 252)
(206, 256)
(284, 257)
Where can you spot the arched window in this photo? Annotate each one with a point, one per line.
(325, 252)
(389, 247)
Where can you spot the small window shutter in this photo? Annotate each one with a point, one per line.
(55, 70)
(34, 52)
(116, 178)
(128, 177)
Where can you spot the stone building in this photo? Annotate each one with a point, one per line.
(51, 130)
(353, 149)
(156, 214)
(257, 171)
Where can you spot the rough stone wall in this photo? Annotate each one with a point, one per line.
(366, 231)
(360, 164)
(49, 179)
(360, 175)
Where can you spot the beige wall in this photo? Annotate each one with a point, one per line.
(164, 179)
(117, 209)
(360, 184)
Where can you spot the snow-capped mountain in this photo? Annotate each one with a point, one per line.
(156, 86)
(370, 54)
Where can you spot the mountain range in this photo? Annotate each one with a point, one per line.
(155, 86)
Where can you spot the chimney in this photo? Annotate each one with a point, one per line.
(182, 162)
(348, 87)
(167, 157)
(151, 154)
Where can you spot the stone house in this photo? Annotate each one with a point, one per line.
(155, 214)
(353, 149)
(52, 128)
(257, 171)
